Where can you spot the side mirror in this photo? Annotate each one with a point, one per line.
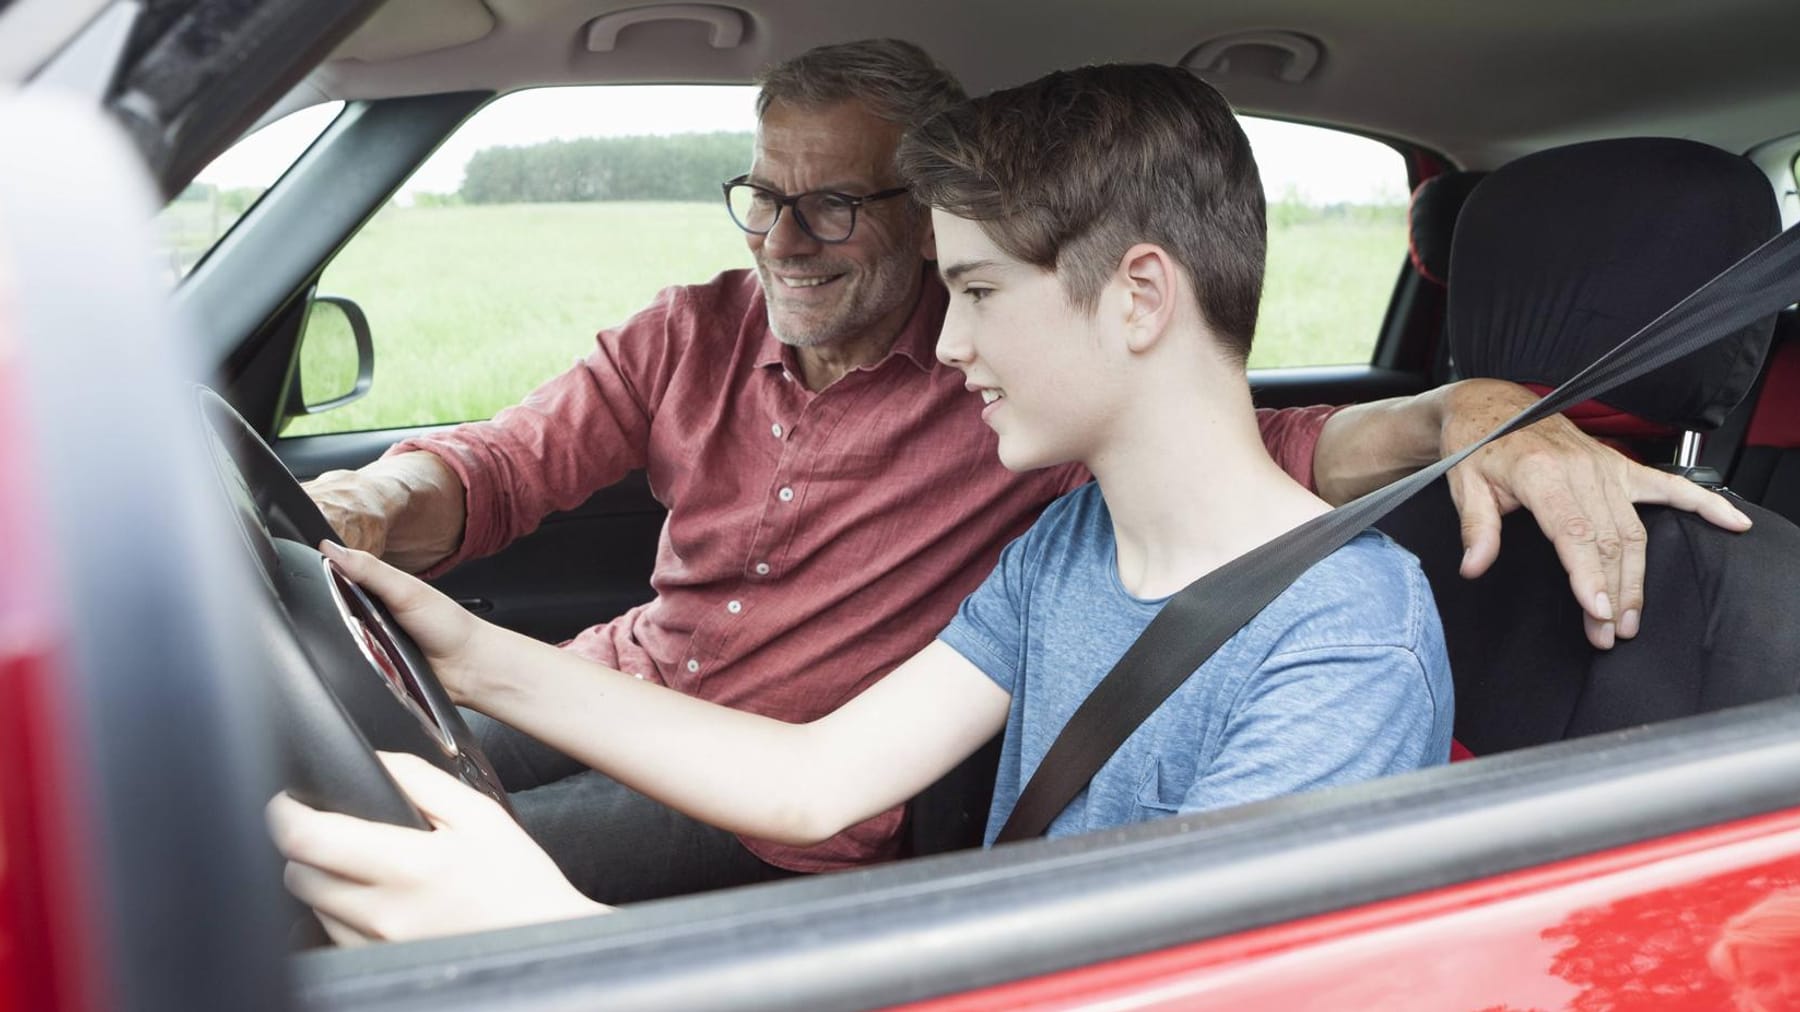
(337, 357)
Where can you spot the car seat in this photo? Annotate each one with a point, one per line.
(1556, 258)
(1594, 243)
(1431, 222)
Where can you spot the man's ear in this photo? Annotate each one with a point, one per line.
(1149, 281)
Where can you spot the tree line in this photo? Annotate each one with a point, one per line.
(678, 167)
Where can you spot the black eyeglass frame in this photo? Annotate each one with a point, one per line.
(783, 202)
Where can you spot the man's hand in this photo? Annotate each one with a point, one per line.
(1580, 491)
(477, 870)
(407, 509)
(354, 506)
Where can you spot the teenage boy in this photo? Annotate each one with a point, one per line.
(1101, 232)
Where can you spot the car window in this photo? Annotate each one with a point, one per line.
(550, 214)
(1337, 238)
(555, 212)
(194, 222)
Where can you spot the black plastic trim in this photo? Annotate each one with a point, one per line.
(1332, 384)
(198, 79)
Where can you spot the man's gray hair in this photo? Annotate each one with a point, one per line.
(896, 80)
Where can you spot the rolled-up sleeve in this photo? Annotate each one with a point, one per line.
(1292, 435)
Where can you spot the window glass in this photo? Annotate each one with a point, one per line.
(556, 212)
(549, 215)
(1337, 239)
(200, 215)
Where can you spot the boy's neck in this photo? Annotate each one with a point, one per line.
(1189, 482)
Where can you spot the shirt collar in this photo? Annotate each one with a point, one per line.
(916, 342)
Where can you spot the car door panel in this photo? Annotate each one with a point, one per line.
(1343, 384)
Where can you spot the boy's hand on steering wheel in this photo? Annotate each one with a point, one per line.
(445, 631)
(477, 870)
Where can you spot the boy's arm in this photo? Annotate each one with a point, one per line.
(477, 870)
(790, 783)
(369, 881)
(753, 775)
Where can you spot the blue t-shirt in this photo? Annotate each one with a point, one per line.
(1342, 678)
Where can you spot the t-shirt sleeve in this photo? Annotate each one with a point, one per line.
(1321, 717)
(989, 627)
(577, 433)
(1291, 436)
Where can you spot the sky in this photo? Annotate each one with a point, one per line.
(1321, 166)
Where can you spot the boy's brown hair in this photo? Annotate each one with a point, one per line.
(1068, 172)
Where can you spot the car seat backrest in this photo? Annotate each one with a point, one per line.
(1578, 247)
(1557, 258)
(1721, 626)
(1561, 255)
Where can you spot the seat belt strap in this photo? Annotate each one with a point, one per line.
(1199, 618)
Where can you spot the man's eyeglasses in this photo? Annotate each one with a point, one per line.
(825, 215)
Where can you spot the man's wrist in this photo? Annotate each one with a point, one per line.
(1469, 409)
(424, 502)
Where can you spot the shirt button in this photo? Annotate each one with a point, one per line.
(776, 429)
(735, 607)
(762, 569)
(693, 665)
(639, 676)
(785, 495)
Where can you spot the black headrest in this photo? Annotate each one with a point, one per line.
(1431, 221)
(1561, 255)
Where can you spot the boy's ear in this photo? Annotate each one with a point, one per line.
(1148, 277)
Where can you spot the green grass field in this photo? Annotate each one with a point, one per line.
(470, 307)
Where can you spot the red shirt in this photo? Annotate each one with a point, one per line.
(814, 540)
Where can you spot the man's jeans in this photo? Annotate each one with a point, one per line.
(614, 844)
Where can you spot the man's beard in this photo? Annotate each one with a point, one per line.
(868, 296)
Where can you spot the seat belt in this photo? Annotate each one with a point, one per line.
(1199, 618)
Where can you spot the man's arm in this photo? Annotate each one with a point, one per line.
(1580, 491)
(472, 489)
(407, 509)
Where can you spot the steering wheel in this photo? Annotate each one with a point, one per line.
(347, 678)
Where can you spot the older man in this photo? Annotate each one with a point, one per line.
(832, 491)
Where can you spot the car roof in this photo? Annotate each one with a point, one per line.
(1480, 82)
